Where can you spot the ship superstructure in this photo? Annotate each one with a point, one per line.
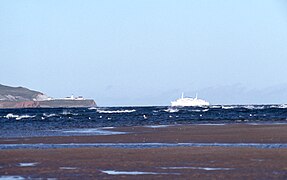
(187, 101)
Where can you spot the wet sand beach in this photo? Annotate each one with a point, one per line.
(154, 163)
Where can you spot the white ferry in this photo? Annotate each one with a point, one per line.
(189, 102)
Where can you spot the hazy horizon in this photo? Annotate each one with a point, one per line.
(147, 52)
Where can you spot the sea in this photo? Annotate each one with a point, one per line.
(39, 122)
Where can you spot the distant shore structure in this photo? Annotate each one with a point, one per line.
(20, 97)
(187, 101)
(72, 97)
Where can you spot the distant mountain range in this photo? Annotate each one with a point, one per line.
(21, 97)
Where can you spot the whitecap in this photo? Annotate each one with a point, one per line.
(228, 107)
(24, 117)
(10, 115)
(171, 110)
(251, 107)
(215, 106)
(283, 106)
(196, 110)
(200, 110)
(65, 112)
(49, 115)
(116, 111)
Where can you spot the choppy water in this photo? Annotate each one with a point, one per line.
(55, 121)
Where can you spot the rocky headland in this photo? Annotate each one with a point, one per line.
(21, 97)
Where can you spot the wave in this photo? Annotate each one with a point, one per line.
(17, 117)
(283, 106)
(215, 106)
(229, 107)
(171, 110)
(68, 113)
(200, 110)
(116, 111)
(253, 107)
(49, 115)
(10, 115)
(24, 117)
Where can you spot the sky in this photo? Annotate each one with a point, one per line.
(146, 52)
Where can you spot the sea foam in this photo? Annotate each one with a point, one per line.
(116, 111)
(171, 110)
(10, 115)
(24, 116)
(17, 117)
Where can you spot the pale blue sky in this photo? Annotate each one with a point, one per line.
(146, 52)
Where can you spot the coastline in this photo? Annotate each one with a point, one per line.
(160, 163)
(220, 133)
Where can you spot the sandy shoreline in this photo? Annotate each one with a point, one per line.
(214, 162)
(231, 133)
(154, 163)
